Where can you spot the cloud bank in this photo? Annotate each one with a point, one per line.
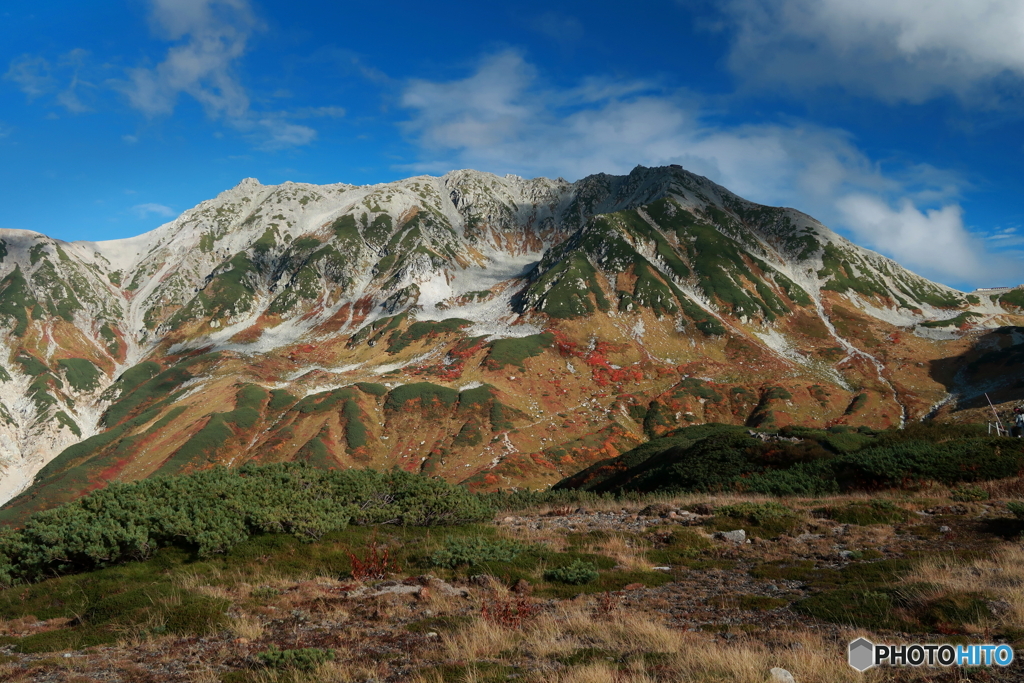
(895, 50)
(208, 40)
(211, 37)
(502, 118)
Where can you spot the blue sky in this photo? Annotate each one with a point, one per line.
(896, 122)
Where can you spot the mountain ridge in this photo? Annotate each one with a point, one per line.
(659, 266)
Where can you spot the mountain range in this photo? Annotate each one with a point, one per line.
(495, 331)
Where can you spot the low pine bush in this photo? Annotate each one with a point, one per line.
(768, 518)
(806, 462)
(870, 512)
(212, 511)
(576, 574)
(475, 550)
(1016, 508)
(304, 659)
(969, 494)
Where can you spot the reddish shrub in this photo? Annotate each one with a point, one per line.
(375, 566)
(511, 611)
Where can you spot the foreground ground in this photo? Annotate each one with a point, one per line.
(672, 598)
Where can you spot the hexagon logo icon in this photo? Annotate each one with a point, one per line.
(861, 654)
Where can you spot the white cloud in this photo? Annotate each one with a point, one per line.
(144, 210)
(281, 134)
(318, 112)
(502, 119)
(213, 35)
(211, 38)
(897, 50)
(36, 77)
(32, 74)
(933, 241)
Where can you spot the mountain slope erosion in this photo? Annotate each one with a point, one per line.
(495, 331)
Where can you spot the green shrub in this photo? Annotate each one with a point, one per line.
(870, 512)
(1016, 508)
(969, 494)
(860, 607)
(424, 329)
(575, 574)
(757, 514)
(515, 351)
(214, 510)
(305, 659)
(716, 457)
(957, 608)
(65, 639)
(1015, 297)
(81, 374)
(197, 615)
(475, 550)
(760, 519)
(426, 392)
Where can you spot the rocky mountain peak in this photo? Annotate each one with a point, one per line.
(536, 320)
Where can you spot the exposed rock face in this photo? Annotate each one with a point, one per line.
(499, 331)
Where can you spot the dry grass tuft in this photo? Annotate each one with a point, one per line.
(628, 551)
(642, 649)
(247, 626)
(1000, 574)
(1004, 488)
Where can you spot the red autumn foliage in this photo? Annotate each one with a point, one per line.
(375, 566)
(509, 611)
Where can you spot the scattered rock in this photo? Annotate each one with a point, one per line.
(781, 676)
(947, 510)
(415, 590)
(737, 536)
(399, 589)
(999, 608)
(846, 554)
(656, 510)
(447, 589)
(944, 529)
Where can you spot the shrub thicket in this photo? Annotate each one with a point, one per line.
(304, 659)
(211, 511)
(805, 462)
(575, 574)
(474, 551)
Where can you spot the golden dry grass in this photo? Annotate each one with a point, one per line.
(247, 626)
(642, 649)
(1001, 574)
